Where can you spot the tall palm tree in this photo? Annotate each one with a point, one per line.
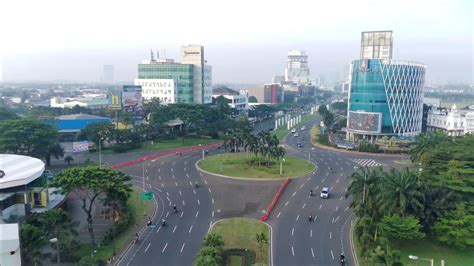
(424, 143)
(402, 193)
(365, 190)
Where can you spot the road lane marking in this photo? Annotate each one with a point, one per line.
(187, 175)
(315, 218)
(168, 213)
(341, 173)
(312, 252)
(204, 180)
(162, 185)
(182, 247)
(194, 191)
(197, 213)
(327, 174)
(311, 233)
(316, 187)
(331, 188)
(159, 177)
(190, 228)
(209, 190)
(301, 185)
(146, 249)
(179, 191)
(174, 229)
(212, 199)
(330, 235)
(185, 162)
(162, 162)
(172, 170)
(287, 203)
(337, 207)
(304, 205)
(190, 183)
(158, 230)
(199, 203)
(163, 250)
(185, 168)
(322, 181)
(320, 206)
(278, 214)
(307, 179)
(176, 183)
(341, 198)
(337, 218)
(212, 214)
(347, 208)
(173, 176)
(332, 255)
(174, 162)
(337, 181)
(292, 231)
(298, 217)
(181, 216)
(159, 170)
(184, 203)
(292, 251)
(294, 193)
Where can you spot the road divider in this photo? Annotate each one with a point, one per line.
(275, 200)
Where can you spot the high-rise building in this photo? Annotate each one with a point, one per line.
(273, 93)
(376, 45)
(194, 55)
(385, 97)
(297, 70)
(108, 74)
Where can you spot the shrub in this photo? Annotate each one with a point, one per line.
(125, 221)
(247, 255)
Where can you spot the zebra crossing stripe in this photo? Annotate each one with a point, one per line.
(367, 162)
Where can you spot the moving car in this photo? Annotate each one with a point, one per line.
(293, 130)
(299, 144)
(303, 128)
(296, 134)
(324, 193)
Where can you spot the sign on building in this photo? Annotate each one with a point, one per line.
(116, 100)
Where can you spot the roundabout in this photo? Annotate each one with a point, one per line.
(243, 166)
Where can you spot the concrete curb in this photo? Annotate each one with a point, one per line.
(351, 241)
(250, 179)
(275, 200)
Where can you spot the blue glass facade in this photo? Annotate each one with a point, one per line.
(386, 98)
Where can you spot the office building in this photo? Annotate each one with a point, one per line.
(187, 82)
(194, 55)
(376, 45)
(273, 93)
(108, 74)
(453, 122)
(297, 70)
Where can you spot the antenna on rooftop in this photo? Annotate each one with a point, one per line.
(152, 59)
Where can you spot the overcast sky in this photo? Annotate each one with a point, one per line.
(246, 41)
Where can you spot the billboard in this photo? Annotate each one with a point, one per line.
(132, 101)
(365, 122)
(115, 100)
(79, 146)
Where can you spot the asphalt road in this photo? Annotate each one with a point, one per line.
(172, 179)
(296, 241)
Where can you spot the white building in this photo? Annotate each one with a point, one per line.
(207, 84)
(376, 45)
(237, 100)
(163, 89)
(453, 122)
(194, 54)
(297, 70)
(10, 244)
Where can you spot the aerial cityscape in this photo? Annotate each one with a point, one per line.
(247, 133)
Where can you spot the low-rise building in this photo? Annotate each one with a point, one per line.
(69, 125)
(23, 188)
(237, 100)
(453, 122)
(10, 244)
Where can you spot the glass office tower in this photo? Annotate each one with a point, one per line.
(385, 99)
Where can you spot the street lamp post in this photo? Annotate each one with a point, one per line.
(281, 166)
(413, 257)
(55, 240)
(100, 152)
(220, 161)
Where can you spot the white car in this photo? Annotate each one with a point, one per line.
(293, 130)
(296, 134)
(303, 128)
(324, 193)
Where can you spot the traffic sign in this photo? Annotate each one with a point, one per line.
(147, 195)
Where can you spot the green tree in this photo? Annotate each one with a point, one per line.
(253, 99)
(365, 188)
(96, 132)
(401, 193)
(206, 261)
(425, 142)
(68, 159)
(7, 114)
(29, 137)
(262, 240)
(398, 227)
(438, 201)
(213, 240)
(32, 240)
(95, 184)
(59, 224)
(456, 229)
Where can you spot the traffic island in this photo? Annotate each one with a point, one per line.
(244, 239)
(243, 165)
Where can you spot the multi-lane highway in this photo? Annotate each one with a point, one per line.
(172, 179)
(296, 241)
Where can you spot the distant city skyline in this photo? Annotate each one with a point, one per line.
(251, 50)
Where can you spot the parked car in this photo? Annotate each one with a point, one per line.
(324, 193)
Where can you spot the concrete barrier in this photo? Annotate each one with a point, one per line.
(275, 200)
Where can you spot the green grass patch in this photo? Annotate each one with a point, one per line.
(429, 248)
(236, 165)
(235, 261)
(103, 253)
(241, 233)
(281, 132)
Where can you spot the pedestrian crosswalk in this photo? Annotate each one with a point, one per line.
(367, 162)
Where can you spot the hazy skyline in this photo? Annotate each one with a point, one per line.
(245, 41)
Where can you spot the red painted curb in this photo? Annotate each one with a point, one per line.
(275, 200)
(163, 153)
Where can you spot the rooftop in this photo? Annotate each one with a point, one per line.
(9, 238)
(224, 91)
(79, 117)
(19, 170)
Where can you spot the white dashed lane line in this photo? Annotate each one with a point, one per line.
(174, 229)
(312, 252)
(199, 203)
(292, 231)
(298, 217)
(190, 228)
(197, 213)
(320, 206)
(278, 214)
(147, 247)
(182, 247)
(164, 248)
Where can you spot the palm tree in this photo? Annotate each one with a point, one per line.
(437, 202)
(402, 193)
(32, 240)
(364, 189)
(68, 159)
(425, 142)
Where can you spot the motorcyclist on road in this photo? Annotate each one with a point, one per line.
(136, 238)
(174, 208)
(311, 192)
(148, 223)
(163, 222)
(310, 218)
(196, 184)
(343, 259)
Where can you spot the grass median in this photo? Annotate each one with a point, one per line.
(242, 233)
(281, 132)
(236, 165)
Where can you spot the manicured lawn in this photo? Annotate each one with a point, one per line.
(235, 164)
(235, 261)
(241, 233)
(428, 248)
(283, 131)
(104, 252)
